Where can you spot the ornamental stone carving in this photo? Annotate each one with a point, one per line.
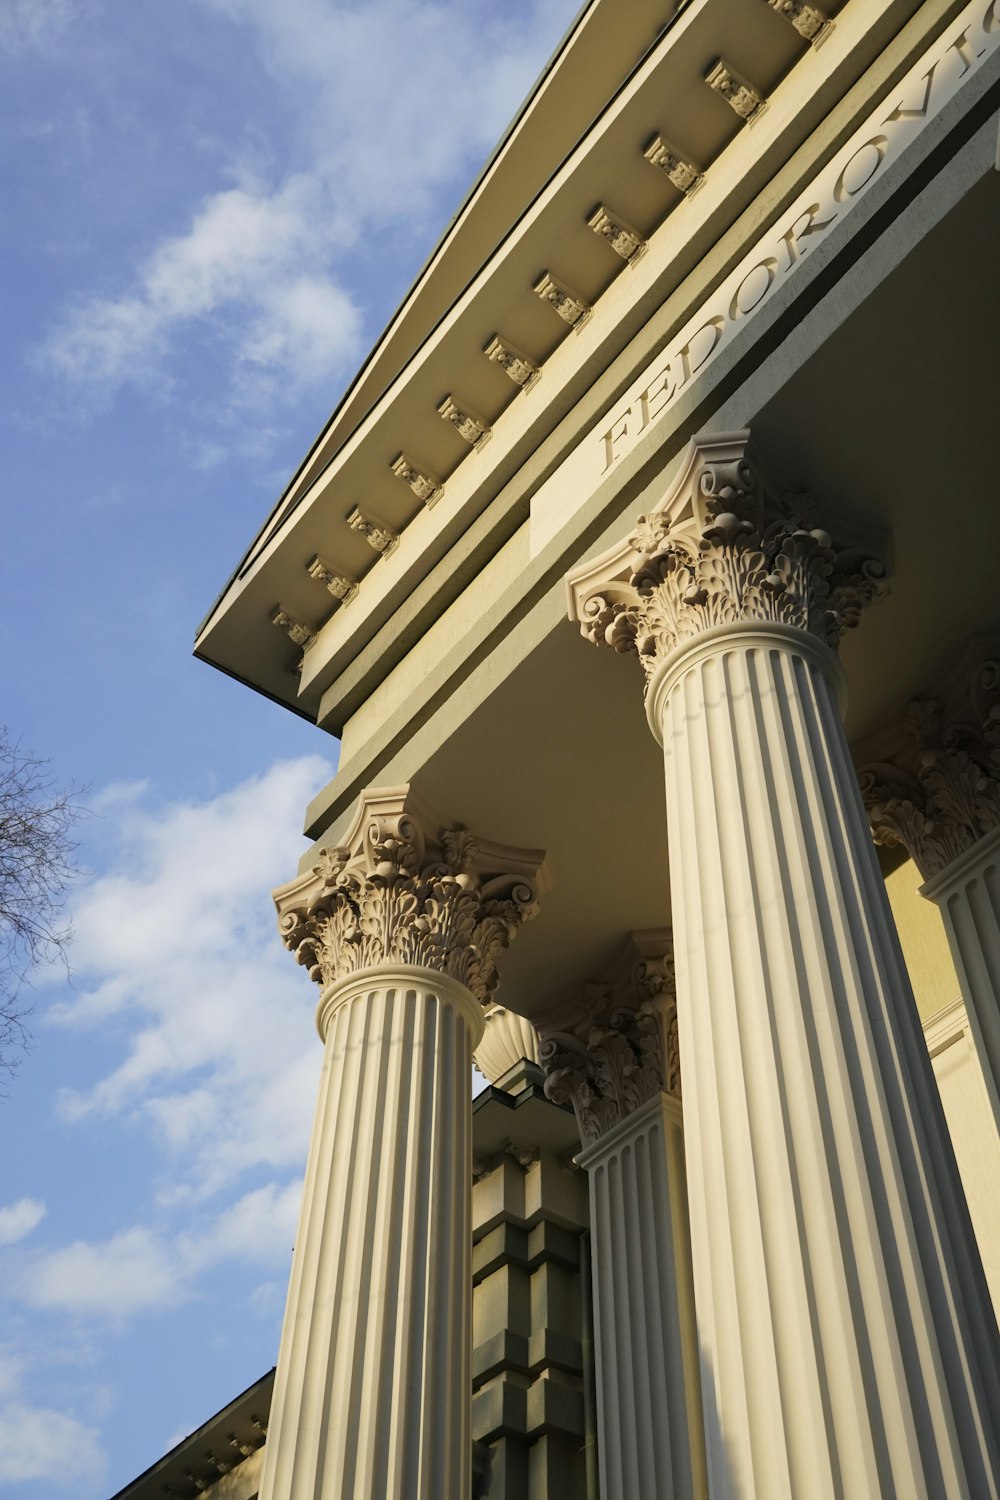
(404, 890)
(725, 546)
(622, 1048)
(741, 96)
(507, 1038)
(517, 366)
(624, 241)
(808, 20)
(303, 635)
(468, 426)
(931, 782)
(685, 177)
(382, 538)
(337, 584)
(423, 485)
(572, 309)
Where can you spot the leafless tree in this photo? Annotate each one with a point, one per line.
(36, 866)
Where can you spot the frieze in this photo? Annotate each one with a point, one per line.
(751, 287)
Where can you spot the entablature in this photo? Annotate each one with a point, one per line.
(410, 472)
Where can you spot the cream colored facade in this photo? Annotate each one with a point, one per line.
(703, 377)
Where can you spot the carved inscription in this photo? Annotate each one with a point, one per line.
(927, 89)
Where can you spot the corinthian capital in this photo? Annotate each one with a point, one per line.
(931, 782)
(724, 546)
(402, 889)
(617, 1046)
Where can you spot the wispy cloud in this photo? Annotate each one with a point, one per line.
(18, 1219)
(391, 101)
(254, 255)
(120, 1276)
(38, 1443)
(178, 959)
(141, 1269)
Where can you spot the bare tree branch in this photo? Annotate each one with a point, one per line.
(36, 866)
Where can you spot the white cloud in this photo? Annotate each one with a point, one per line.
(142, 1270)
(130, 1272)
(257, 255)
(177, 947)
(392, 100)
(19, 1219)
(398, 96)
(259, 1227)
(37, 1443)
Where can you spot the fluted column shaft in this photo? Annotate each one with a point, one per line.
(967, 893)
(848, 1343)
(650, 1444)
(373, 1388)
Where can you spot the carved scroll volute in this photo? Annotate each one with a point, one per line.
(723, 547)
(404, 890)
(934, 788)
(620, 1048)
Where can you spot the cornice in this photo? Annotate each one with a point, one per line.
(775, 138)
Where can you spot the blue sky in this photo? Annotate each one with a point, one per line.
(209, 209)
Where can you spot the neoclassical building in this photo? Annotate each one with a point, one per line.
(648, 573)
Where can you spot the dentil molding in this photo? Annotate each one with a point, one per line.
(724, 546)
(403, 889)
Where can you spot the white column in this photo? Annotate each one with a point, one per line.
(616, 1062)
(848, 1343)
(401, 927)
(373, 1391)
(649, 1438)
(967, 893)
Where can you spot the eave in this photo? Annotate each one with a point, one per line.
(666, 96)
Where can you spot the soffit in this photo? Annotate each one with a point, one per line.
(666, 96)
(214, 1448)
(600, 49)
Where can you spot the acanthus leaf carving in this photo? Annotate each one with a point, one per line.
(621, 1050)
(403, 890)
(937, 791)
(724, 548)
